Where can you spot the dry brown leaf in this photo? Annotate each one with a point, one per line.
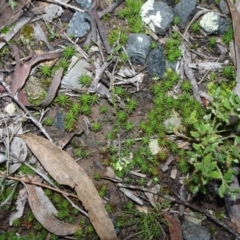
(39, 210)
(66, 171)
(21, 72)
(175, 230)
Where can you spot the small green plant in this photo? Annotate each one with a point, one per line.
(215, 151)
(132, 14)
(129, 126)
(104, 109)
(75, 108)
(85, 99)
(121, 116)
(117, 36)
(131, 105)
(153, 45)
(228, 71)
(228, 35)
(97, 176)
(85, 109)
(123, 56)
(48, 121)
(45, 71)
(195, 27)
(106, 17)
(12, 3)
(172, 50)
(96, 126)
(81, 152)
(119, 91)
(94, 99)
(62, 100)
(85, 80)
(176, 20)
(186, 86)
(68, 52)
(102, 191)
(212, 42)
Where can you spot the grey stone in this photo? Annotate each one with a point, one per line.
(85, 4)
(138, 47)
(192, 231)
(183, 10)
(79, 25)
(59, 121)
(157, 15)
(170, 2)
(212, 23)
(224, 7)
(156, 62)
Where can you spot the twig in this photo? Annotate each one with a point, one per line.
(172, 199)
(190, 75)
(28, 181)
(67, 5)
(34, 120)
(110, 8)
(99, 70)
(102, 34)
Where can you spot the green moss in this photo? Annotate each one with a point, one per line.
(116, 35)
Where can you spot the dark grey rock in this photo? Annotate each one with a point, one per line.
(79, 24)
(138, 47)
(212, 23)
(184, 9)
(157, 15)
(192, 231)
(85, 4)
(170, 2)
(224, 7)
(156, 62)
(59, 121)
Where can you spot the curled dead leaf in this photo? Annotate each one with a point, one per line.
(65, 170)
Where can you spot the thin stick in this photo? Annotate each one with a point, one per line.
(28, 181)
(34, 120)
(67, 5)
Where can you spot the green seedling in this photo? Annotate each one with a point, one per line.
(131, 105)
(119, 91)
(85, 80)
(75, 108)
(85, 99)
(104, 109)
(48, 121)
(228, 35)
(195, 27)
(96, 126)
(85, 109)
(132, 14)
(97, 176)
(228, 72)
(172, 50)
(129, 126)
(45, 71)
(68, 52)
(12, 3)
(62, 100)
(212, 42)
(176, 20)
(117, 36)
(186, 86)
